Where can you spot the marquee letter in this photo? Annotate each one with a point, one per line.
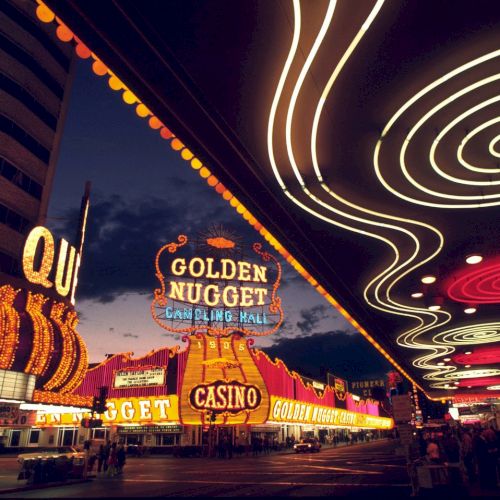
(111, 412)
(210, 269)
(177, 290)
(200, 391)
(216, 295)
(162, 404)
(127, 410)
(261, 293)
(201, 267)
(259, 273)
(276, 409)
(246, 296)
(244, 274)
(63, 288)
(40, 276)
(225, 274)
(178, 267)
(145, 408)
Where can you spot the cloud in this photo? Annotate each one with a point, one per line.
(345, 354)
(123, 236)
(312, 317)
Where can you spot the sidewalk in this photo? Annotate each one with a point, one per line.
(29, 487)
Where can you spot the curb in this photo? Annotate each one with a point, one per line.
(43, 486)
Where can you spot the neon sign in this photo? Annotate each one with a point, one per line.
(217, 290)
(292, 411)
(221, 396)
(38, 262)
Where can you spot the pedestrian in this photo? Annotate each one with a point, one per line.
(100, 458)
(112, 461)
(487, 459)
(107, 451)
(120, 459)
(468, 456)
(266, 444)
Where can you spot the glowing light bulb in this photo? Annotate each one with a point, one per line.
(468, 352)
(440, 363)
(470, 310)
(428, 279)
(467, 366)
(447, 359)
(417, 295)
(474, 259)
(434, 307)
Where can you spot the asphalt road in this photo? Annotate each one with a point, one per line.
(366, 469)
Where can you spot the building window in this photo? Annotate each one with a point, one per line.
(10, 128)
(22, 95)
(67, 436)
(14, 220)
(99, 433)
(20, 179)
(15, 437)
(33, 29)
(34, 436)
(166, 439)
(18, 53)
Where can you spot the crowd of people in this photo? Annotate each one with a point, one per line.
(111, 459)
(471, 455)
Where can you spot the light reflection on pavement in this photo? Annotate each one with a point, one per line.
(355, 470)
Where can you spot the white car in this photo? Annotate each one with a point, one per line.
(56, 452)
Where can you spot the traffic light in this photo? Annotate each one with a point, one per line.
(91, 423)
(99, 402)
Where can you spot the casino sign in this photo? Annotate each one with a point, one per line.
(214, 288)
(219, 294)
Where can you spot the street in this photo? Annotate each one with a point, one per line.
(364, 469)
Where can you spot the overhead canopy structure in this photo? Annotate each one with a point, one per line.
(364, 136)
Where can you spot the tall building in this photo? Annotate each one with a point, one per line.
(42, 357)
(35, 73)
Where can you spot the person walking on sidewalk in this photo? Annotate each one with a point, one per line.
(101, 458)
(112, 461)
(107, 451)
(120, 459)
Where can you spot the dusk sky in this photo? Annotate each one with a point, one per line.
(143, 195)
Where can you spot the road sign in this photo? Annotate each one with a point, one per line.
(402, 408)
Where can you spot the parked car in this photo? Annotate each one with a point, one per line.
(54, 452)
(307, 445)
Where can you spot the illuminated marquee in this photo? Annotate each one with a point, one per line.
(220, 396)
(142, 377)
(38, 262)
(122, 410)
(287, 410)
(219, 291)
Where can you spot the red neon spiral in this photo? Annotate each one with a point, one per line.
(478, 286)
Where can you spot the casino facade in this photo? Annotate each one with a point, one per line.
(219, 294)
(147, 403)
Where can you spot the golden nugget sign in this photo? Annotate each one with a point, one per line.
(287, 410)
(220, 396)
(214, 289)
(122, 410)
(42, 267)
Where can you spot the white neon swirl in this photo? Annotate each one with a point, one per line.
(397, 308)
(279, 90)
(491, 146)
(404, 108)
(468, 137)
